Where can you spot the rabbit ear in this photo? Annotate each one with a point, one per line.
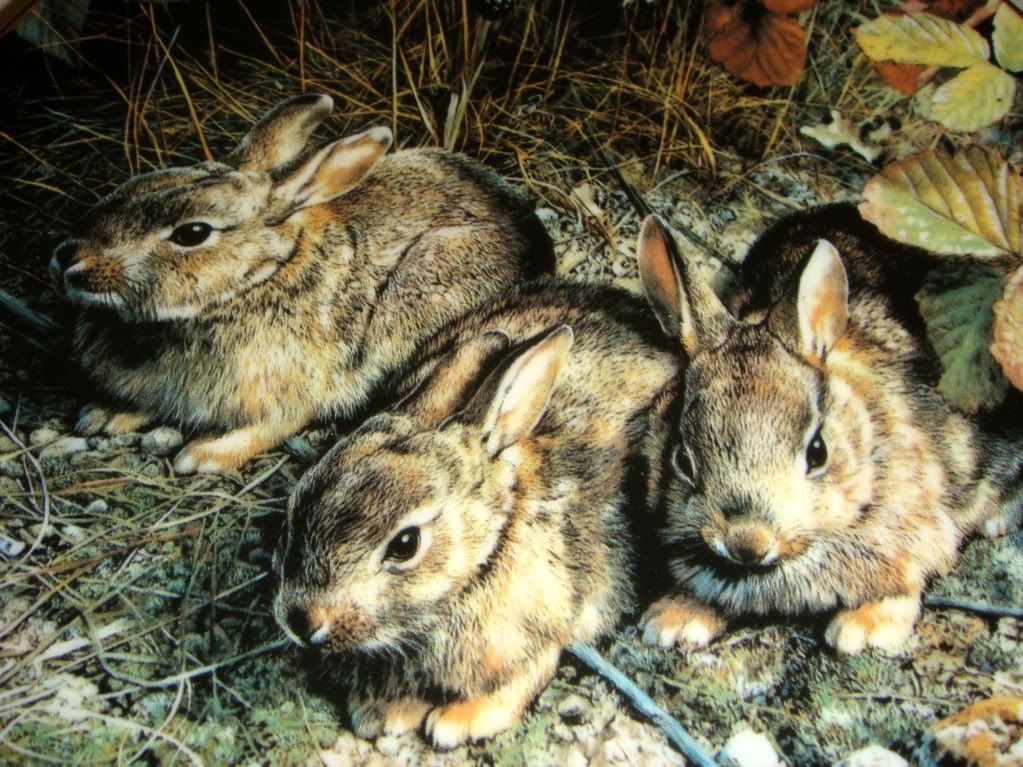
(684, 303)
(333, 170)
(450, 381)
(525, 390)
(822, 304)
(281, 134)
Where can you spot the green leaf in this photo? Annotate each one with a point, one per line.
(973, 99)
(921, 38)
(963, 204)
(1008, 37)
(956, 303)
(1007, 341)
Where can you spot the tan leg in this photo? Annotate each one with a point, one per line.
(683, 621)
(95, 419)
(231, 450)
(401, 716)
(885, 624)
(464, 720)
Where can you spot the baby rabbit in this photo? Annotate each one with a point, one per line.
(249, 297)
(451, 547)
(804, 462)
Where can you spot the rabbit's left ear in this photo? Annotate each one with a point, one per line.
(525, 390)
(281, 134)
(333, 170)
(816, 314)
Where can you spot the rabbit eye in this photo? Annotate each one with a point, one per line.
(192, 234)
(682, 462)
(816, 452)
(403, 546)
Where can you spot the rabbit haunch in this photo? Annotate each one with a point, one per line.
(451, 547)
(285, 284)
(805, 462)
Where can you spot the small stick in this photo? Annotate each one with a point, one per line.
(674, 731)
(994, 611)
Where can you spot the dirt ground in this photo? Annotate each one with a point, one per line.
(134, 603)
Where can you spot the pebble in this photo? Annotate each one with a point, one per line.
(42, 436)
(9, 547)
(573, 709)
(162, 441)
(64, 446)
(388, 745)
(99, 506)
(874, 756)
(749, 749)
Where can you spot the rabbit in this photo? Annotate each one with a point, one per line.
(250, 297)
(803, 461)
(446, 551)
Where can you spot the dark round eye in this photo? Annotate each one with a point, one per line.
(404, 545)
(683, 464)
(191, 234)
(816, 452)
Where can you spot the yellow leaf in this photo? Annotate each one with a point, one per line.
(1007, 343)
(921, 38)
(1008, 37)
(967, 203)
(973, 99)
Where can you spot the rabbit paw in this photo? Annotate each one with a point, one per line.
(885, 624)
(677, 620)
(454, 724)
(94, 419)
(401, 716)
(999, 525)
(373, 718)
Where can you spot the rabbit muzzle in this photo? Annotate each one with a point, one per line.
(750, 543)
(334, 627)
(87, 275)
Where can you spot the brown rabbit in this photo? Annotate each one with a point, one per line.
(804, 461)
(450, 548)
(283, 285)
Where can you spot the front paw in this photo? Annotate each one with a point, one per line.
(94, 419)
(367, 718)
(679, 621)
(885, 624)
(210, 456)
(457, 723)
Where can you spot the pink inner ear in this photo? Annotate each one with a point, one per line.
(823, 301)
(658, 273)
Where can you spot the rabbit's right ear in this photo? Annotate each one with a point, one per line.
(685, 305)
(448, 383)
(281, 134)
(525, 390)
(333, 170)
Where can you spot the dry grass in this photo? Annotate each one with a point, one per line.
(135, 619)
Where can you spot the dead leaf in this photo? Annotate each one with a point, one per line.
(984, 734)
(787, 6)
(758, 46)
(904, 78)
(839, 132)
(1007, 342)
(975, 98)
(967, 203)
(921, 38)
(1008, 37)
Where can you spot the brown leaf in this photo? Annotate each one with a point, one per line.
(719, 15)
(763, 48)
(787, 6)
(902, 77)
(955, 10)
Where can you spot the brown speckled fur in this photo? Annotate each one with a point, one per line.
(530, 547)
(331, 268)
(907, 477)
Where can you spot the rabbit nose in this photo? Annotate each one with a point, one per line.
(63, 257)
(305, 628)
(751, 546)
